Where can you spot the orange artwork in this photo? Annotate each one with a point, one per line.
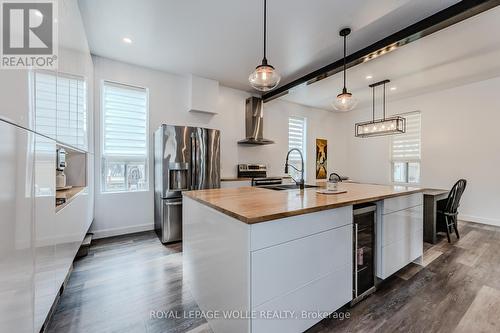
(321, 157)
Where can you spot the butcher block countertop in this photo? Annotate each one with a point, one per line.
(253, 205)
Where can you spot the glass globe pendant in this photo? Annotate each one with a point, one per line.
(265, 77)
(345, 101)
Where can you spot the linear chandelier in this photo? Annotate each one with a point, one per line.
(378, 127)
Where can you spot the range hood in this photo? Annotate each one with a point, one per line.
(254, 123)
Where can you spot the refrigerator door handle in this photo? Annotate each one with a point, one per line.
(193, 161)
(356, 260)
(174, 203)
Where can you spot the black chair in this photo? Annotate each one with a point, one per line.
(448, 209)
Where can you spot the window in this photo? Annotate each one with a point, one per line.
(405, 151)
(296, 139)
(124, 138)
(61, 107)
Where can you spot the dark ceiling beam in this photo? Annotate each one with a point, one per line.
(436, 22)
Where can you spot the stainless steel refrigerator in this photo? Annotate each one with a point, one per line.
(186, 158)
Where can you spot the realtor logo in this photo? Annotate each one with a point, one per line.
(28, 34)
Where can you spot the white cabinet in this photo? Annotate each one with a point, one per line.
(235, 183)
(45, 285)
(402, 202)
(62, 99)
(301, 263)
(75, 61)
(37, 247)
(21, 97)
(320, 297)
(279, 269)
(71, 226)
(398, 225)
(399, 233)
(15, 95)
(16, 236)
(284, 230)
(309, 275)
(203, 95)
(310, 272)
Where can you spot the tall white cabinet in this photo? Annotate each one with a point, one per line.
(38, 244)
(17, 252)
(44, 229)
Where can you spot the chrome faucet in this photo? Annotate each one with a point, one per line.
(301, 181)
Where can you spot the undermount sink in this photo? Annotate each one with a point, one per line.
(287, 187)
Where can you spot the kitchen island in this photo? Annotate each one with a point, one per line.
(258, 260)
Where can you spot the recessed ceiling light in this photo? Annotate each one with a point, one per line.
(393, 88)
(127, 40)
(368, 77)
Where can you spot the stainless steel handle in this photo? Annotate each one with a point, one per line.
(193, 161)
(174, 203)
(355, 260)
(364, 210)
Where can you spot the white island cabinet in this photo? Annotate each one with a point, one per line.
(259, 261)
(280, 275)
(400, 233)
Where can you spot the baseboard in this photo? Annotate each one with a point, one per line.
(477, 219)
(104, 233)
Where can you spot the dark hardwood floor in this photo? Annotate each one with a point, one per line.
(117, 286)
(123, 279)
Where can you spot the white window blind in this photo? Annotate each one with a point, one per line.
(406, 147)
(61, 108)
(406, 151)
(297, 139)
(125, 137)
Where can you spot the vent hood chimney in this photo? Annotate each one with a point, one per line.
(254, 123)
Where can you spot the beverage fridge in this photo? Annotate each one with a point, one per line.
(364, 223)
(185, 158)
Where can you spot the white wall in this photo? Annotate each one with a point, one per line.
(460, 139)
(117, 213)
(321, 124)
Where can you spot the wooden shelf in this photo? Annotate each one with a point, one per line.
(69, 194)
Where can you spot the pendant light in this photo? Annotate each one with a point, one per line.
(345, 101)
(379, 127)
(265, 77)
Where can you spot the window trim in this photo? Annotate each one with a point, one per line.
(101, 136)
(407, 161)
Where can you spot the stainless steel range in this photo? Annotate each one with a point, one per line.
(258, 173)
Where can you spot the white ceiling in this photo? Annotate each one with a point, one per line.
(463, 53)
(222, 39)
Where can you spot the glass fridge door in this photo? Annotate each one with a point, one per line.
(364, 255)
